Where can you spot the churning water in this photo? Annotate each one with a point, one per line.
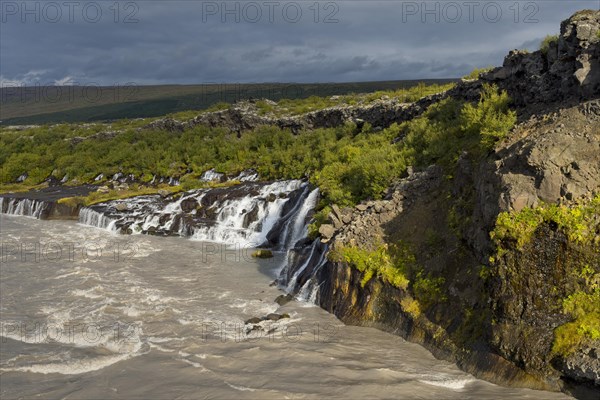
(86, 313)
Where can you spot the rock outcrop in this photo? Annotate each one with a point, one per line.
(44, 203)
(494, 320)
(245, 116)
(568, 71)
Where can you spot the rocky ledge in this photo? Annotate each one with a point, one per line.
(495, 318)
(245, 115)
(44, 203)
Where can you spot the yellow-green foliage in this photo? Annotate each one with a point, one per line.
(313, 103)
(491, 118)
(100, 197)
(73, 201)
(477, 72)
(545, 44)
(584, 308)
(378, 262)
(411, 306)
(411, 94)
(348, 166)
(579, 222)
(451, 127)
(189, 114)
(428, 289)
(517, 226)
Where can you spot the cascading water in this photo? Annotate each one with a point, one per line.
(95, 218)
(249, 214)
(211, 175)
(299, 276)
(297, 226)
(23, 207)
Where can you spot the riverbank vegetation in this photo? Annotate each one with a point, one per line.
(346, 164)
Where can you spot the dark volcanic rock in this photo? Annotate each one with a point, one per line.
(569, 70)
(284, 299)
(48, 197)
(498, 326)
(244, 116)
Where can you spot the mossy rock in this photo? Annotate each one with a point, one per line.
(262, 254)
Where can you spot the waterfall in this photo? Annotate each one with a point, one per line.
(303, 265)
(211, 175)
(299, 223)
(23, 207)
(248, 220)
(247, 176)
(309, 292)
(291, 284)
(88, 216)
(249, 214)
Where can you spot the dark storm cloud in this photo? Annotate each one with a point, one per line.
(187, 42)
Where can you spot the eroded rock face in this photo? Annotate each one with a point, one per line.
(569, 70)
(44, 203)
(549, 159)
(245, 116)
(527, 290)
(552, 156)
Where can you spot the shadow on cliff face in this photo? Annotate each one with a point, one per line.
(496, 319)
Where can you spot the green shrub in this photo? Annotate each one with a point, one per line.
(546, 42)
(491, 118)
(428, 289)
(477, 72)
(578, 222)
(391, 268)
(584, 308)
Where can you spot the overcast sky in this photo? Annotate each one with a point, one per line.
(161, 42)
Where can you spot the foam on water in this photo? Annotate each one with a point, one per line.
(240, 388)
(449, 383)
(165, 310)
(71, 367)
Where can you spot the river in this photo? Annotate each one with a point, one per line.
(87, 313)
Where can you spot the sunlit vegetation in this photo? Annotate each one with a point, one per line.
(579, 222)
(584, 308)
(347, 165)
(391, 265)
(477, 72)
(548, 40)
(313, 103)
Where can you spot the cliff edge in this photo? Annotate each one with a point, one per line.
(500, 253)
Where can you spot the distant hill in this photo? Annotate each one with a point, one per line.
(54, 104)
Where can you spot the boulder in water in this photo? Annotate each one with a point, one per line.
(122, 207)
(253, 320)
(274, 317)
(262, 254)
(284, 299)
